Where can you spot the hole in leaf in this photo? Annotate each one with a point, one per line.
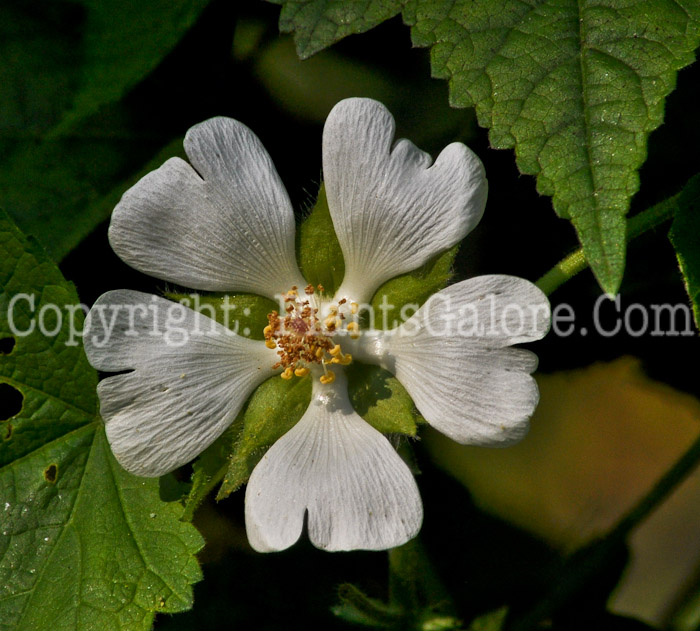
(51, 473)
(7, 344)
(10, 401)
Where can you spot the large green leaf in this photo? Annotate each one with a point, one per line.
(319, 23)
(124, 40)
(59, 190)
(84, 545)
(685, 236)
(575, 86)
(65, 144)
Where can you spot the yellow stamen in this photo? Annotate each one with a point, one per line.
(267, 330)
(354, 330)
(343, 360)
(270, 343)
(288, 373)
(354, 308)
(302, 371)
(335, 351)
(329, 377)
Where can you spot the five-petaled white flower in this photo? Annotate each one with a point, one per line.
(226, 224)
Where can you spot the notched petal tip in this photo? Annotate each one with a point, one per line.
(393, 209)
(358, 492)
(466, 381)
(222, 223)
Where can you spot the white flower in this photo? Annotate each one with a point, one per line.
(226, 224)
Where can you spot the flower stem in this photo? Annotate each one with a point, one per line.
(660, 491)
(567, 268)
(605, 557)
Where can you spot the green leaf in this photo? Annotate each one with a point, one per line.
(61, 189)
(84, 544)
(491, 621)
(319, 23)
(685, 237)
(67, 150)
(123, 41)
(575, 87)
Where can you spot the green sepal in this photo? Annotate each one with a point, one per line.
(273, 410)
(356, 607)
(411, 289)
(321, 261)
(320, 257)
(379, 398)
(491, 621)
(245, 314)
(685, 237)
(208, 470)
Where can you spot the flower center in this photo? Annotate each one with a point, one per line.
(304, 341)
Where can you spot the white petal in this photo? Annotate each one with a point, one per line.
(392, 210)
(451, 357)
(228, 226)
(358, 492)
(186, 384)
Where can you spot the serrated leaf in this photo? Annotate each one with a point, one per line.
(319, 23)
(575, 87)
(84, 545)
(685, 237)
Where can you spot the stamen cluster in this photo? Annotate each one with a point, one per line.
(301, 339)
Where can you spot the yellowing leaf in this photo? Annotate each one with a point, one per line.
(600, 438)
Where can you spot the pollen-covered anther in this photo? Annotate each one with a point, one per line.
(328, 377)
(301, 339)
(343, 360)
(353, 329)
